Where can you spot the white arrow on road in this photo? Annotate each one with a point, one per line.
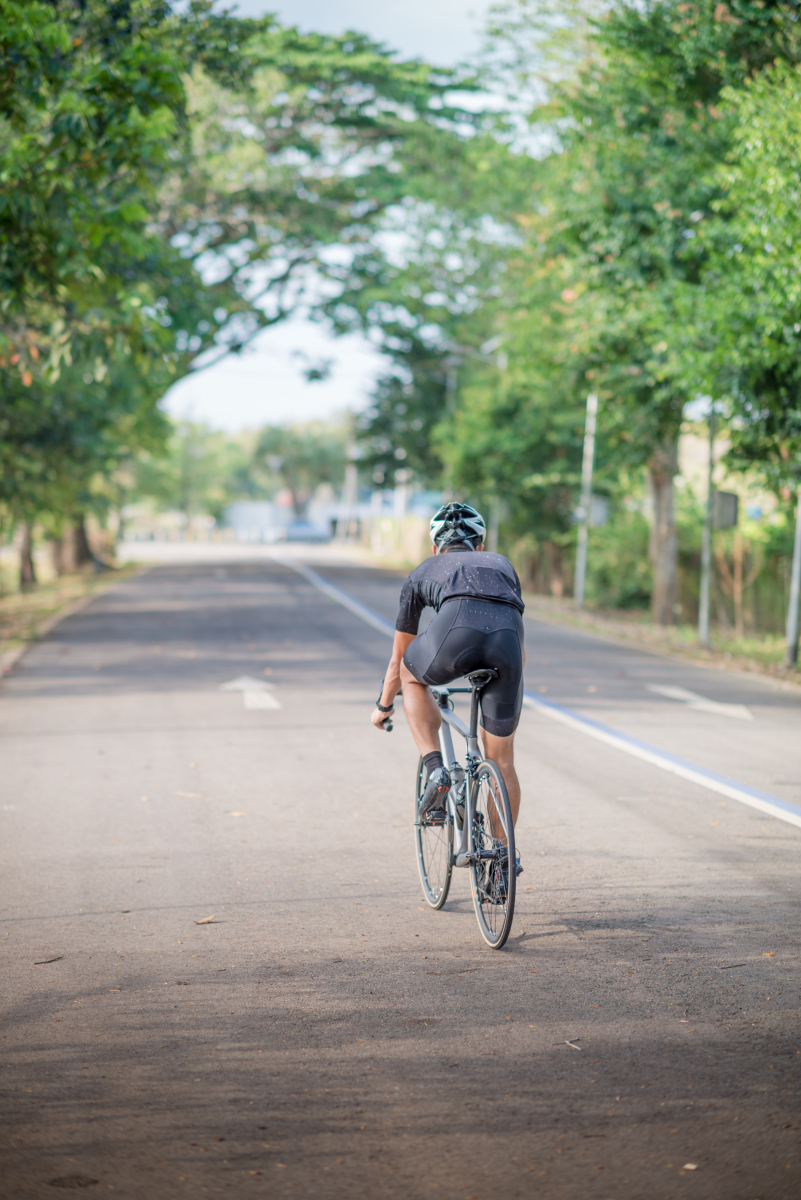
(693, 700)
(255, 692)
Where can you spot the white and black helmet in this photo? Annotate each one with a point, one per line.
(456, 523)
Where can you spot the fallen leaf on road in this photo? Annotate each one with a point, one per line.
(206, 920)
(72, 1181)
(769, 954)
(458, 971)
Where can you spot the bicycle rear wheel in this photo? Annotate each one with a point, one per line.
(434, 847)
(492, 871)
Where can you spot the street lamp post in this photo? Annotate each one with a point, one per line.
(791, 658)
(586, 499)
(706, 544)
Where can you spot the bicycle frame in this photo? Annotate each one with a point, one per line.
(462, 777)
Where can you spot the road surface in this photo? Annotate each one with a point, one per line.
(326, 1034)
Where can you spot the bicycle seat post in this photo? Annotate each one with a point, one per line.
(478, 680)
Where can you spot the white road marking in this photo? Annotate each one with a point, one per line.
(246, 683)
(700, 703)
(254, 699)
(763, 801)
(255, 692)
(335, 593)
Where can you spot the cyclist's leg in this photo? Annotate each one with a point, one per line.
(431, 659)
(420, 709)
(501, 751)
(502, 703)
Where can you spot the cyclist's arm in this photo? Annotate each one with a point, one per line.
(392, 680)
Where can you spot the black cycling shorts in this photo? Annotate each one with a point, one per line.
(467, 635)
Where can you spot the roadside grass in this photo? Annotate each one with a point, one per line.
(762, 654)
(27, 615)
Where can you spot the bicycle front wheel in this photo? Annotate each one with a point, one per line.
(492, 869)
(434, 847)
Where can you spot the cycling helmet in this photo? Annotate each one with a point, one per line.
(455, 523)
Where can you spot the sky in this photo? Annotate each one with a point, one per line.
(264, 385)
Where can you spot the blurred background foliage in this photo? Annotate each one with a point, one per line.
(624, 217)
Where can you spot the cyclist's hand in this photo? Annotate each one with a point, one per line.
(378, 718)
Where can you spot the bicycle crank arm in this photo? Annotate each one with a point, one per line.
(465, 859)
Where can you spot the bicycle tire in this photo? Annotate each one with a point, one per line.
(434, 848)
(493, 831)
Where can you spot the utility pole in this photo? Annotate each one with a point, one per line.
(451, 387)
(791, 658)
(586, 499)
(348, 511)
(706, 544)
(494, 523)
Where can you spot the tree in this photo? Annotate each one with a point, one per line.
(301, 457)
(637, 132)
(289, 173)
(428, 292)
(750, 321)
(171, 179)
(198, 472)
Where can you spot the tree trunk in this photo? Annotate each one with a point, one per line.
(556, 577)
(64, 552)
(83, 551)
(663, 466)
(27, 571)
(72, 551)
(739, 627)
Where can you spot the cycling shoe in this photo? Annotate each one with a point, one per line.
(436, 791)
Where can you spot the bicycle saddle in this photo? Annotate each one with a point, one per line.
(482, 678)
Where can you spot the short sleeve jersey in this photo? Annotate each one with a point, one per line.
(457, 573)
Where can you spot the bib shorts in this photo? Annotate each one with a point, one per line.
(467, 635)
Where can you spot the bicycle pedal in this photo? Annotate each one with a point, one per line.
(437, 817)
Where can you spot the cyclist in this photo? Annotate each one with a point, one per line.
(478, 623)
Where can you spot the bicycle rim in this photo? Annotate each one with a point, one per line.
(493, 839)
(434, 848)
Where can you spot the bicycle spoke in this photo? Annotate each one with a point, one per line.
(434, 848)
(493, 867)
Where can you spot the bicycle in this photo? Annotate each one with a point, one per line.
(478, 811)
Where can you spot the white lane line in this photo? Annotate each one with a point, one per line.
(335, 593)
(700, 703)
(763, 801)
(255, 692)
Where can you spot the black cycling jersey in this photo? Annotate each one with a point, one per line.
(471, 573)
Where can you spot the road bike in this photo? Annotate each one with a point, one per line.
(476, 828)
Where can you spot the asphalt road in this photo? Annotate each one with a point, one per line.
(326, 1034)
